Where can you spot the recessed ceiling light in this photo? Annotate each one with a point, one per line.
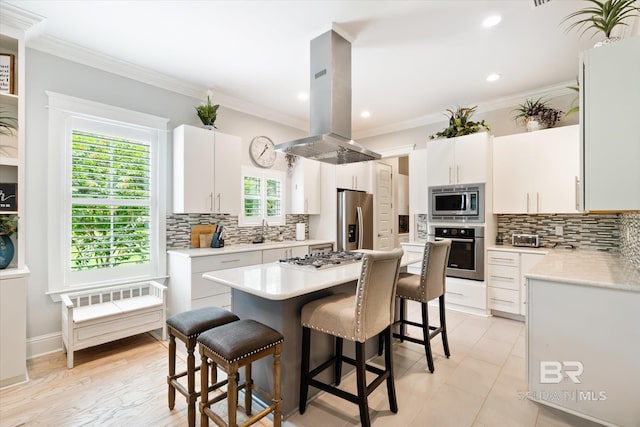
(492, 21)
(303, 96)
(365, 114)
(493, 77)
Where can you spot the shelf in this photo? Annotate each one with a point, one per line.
(14, 273)
(8, 98)
(8, 161)
(8, 212)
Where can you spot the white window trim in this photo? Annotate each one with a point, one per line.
(63, 109)
(264, 174)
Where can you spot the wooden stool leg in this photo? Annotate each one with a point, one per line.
(337, 367)
(425, 335)
(172, 370)
(388, 361)
(304, 369)
(232, 394)
(191, 383)
(204, 388)
(277, 412)
(403, 316)
(361, 380)
(443, 325)
(248, 389)
(214, 373)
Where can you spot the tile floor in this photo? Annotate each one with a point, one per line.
(480, 385)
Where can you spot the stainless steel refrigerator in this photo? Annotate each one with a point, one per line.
(355, 220)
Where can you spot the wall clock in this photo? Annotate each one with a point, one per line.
(262, 151)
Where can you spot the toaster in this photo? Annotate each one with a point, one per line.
(528, 240)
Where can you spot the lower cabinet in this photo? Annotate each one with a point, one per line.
(506, 280)
(273, 255)
(467, 295)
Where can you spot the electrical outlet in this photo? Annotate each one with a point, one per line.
(559, 230)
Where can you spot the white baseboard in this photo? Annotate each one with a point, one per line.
(44, 344)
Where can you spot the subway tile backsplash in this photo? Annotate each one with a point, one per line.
(630, 238)
(179, 228)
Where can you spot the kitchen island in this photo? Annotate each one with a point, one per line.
(274, 295)
(583, 339)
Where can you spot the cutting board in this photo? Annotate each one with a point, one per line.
(199, 229)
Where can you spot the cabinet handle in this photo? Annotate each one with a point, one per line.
(230, 260)
(450, 180)
(211, 202)
(306, 205)
(502, 300)
(455, 293)
(356, 177)
(537, 202)
(577, 188)
(527, 202)
(503, 277)
(501, 259)
(457, 174)
(219, 197)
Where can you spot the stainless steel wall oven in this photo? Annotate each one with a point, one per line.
(466, 259)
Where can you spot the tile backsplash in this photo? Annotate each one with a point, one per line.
(179, 228)
(630, 237)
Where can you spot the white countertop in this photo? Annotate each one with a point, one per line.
(523, 249)
(274, 281)
(587, 268)
(245, 247)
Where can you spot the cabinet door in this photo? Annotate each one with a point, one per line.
(227, 197)
(611, 141)
(273, 255)
(527, 261)
(440, 161)
(556, 170)
(362, 173)
(305, 187)
(512, 171)
(345, 178)
(193, 170)
(471, 159)
(418, 182)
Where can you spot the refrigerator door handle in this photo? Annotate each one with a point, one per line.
(360, 227)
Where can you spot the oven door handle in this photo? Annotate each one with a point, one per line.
(456, 240)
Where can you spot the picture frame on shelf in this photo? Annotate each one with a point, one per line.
(8, 197)
(7, 73)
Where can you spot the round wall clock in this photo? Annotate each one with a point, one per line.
(262, 151)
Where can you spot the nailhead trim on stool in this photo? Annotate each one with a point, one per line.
(187, 326)
(231, 347)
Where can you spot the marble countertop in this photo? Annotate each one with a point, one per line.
(277, 282)
(244, 247)
(587, 268)
(524, 249)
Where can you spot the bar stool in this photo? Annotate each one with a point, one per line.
(426, 286)
(231, 347)
(357, 318)
(187, 326)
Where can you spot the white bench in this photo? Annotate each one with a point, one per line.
(98, 316)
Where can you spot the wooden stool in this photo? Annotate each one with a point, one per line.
(187, 327)
(231, 347)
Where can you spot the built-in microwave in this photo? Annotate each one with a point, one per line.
(464, 203)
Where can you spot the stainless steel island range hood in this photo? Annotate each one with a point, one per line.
(330, 106)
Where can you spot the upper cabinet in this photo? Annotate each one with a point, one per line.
(418, 182)
(610, 90)
(354, 176)
(537, 172)
(206, 171)
(461, 160)
(305, 187)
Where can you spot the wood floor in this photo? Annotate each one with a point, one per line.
(124, 384)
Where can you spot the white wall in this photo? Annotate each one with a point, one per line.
(50, 73)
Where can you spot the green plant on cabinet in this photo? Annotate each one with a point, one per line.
(460, 124)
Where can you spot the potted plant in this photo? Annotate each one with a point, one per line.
(537, 114)
(574, 107)
(7, 123)
(8, 225)
(460, 124)
(208, 114)
(603, 17)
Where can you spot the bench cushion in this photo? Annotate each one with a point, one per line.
(240, 339)
(192, 323)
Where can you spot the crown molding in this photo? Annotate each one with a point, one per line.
(483, 107)
(19, 19)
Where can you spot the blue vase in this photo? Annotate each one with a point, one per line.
(6, 251)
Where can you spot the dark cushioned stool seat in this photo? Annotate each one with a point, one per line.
(232, 346)
(187, 326)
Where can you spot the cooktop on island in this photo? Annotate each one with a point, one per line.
(322, 259)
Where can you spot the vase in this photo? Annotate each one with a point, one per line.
(208, 127)
(6, 251)
(606, 41)
(533, 125)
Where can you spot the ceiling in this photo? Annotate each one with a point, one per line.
(411, 59)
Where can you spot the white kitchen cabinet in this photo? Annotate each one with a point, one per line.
(418, 182)
(206, 171)
(609, 91)
(403, 194)
(273, 255)
(306, 187)
(461, 160)
(188, 290)
(354, 176)
(537, 172)
(506, 281)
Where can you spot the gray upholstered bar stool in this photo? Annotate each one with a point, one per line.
(231, 347)
(187, 326)
(426, 286)
(357, 318)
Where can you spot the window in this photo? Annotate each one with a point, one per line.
(107, 225)
(262, 197)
